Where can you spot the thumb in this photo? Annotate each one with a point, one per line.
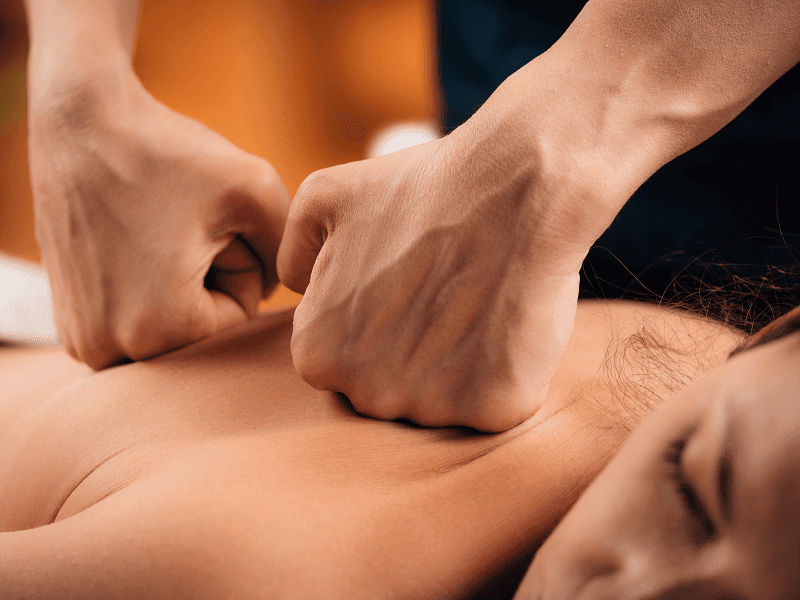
(233, 288)
(238, 273)
(255, 210)
(250, 212)
(308, 226)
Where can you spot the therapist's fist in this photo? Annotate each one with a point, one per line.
(436, 288)
(155, 231)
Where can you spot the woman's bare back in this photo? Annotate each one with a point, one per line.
(216, 471)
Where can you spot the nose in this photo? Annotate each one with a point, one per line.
(590, 574)
(630, 573)
(598, 563)
(640, 578)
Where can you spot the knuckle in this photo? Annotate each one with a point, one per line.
(381, 401)
(496, 418)
(97, 350)
(141, 334)
(313, 370)
(313, 187)
(275, 190)
(269, 178)
(317, 196)
(309, 362)
(429, 414)
(317, 355)
(70, 348)
(98, 361)
(266, 184)
(286, 275)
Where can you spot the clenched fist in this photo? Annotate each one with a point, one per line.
(440, 284)
(155, 231)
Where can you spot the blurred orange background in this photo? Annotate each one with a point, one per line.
(304, 84)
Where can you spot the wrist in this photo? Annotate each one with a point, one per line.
(78, 44)
(568, 165)
(111, 23)
(75, 83)
(631, 85)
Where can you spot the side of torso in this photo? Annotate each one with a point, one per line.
(229, 422)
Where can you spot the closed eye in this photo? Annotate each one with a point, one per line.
(703, 528)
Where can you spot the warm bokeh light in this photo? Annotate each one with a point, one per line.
(304, 84)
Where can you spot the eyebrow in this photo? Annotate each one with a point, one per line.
(725, 470)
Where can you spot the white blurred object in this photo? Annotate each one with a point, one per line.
(26, 304)
(400, 136)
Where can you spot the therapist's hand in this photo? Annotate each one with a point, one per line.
(155, 231)
(440, 281)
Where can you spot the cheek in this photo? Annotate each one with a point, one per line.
(582, 547)
(616, 517)
(625, 517)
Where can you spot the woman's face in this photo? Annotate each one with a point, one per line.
(703, 501)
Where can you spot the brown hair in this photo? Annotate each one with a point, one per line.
(788, 323)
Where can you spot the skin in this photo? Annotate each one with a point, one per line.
(215, 471)
(421, 269)
(632, 535)
(155, 231)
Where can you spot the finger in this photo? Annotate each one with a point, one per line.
(237, 257)
(99, 356)
(255, 209)
(308, 226)
(85, 337)
(238, 273)
(228, 311)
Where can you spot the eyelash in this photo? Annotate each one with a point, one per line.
(705, 527)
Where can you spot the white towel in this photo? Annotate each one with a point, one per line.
(26, 304)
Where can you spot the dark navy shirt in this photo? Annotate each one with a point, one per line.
(732, 200)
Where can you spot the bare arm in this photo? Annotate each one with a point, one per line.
(110, 21)
(632, 84)
(79, 33)
(155, 231)
(434, 277)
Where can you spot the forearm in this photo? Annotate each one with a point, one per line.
(631, 85)
(78, 39)
(679, 70)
